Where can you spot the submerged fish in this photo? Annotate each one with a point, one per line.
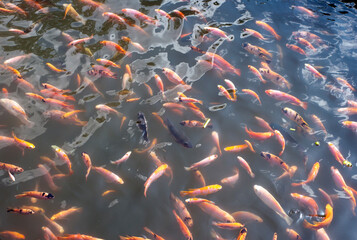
(179, 136)
(143, 126)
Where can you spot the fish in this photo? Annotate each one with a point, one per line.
(232, 88)
(282, 96)
(254, 33)
(201, 191)
(154, 235)
(184, 229)
(276, 78)
(48, 234)
(63, 156)
(292, 234)
(77, 236)
(304, 10)
(73, 13)
(258, 51)
(306, 202)
(225, 93)
(336, 153)
(178, 136)
(143, 126)
(107, 62)
(268, 28)
(321, 234)
(351, 125)
(257, 73)
(294, 116)
(172, 76)
(199, 178)
(281, 140)
(242, 234)
(109, 176)
(204, 162)
(114, 17)
(311, 177)
(222, 63)
(122, 159)
(35, 194)
(197, 200)
(65, 213)
(113, 45)
(194, 123)
(163, 13)
(180, 207)
(16, 110)
(252, 93)
(22, 143)
(306, 43)
(345, 83)
(230, 226)
(216, 212)
(48, 177)
(246, 166)
(87, 161)
(231, 180)
(22, 211)
(272, 203)
(246, 217)
(106, 109)
(11, 235)
(275, 160)
(10, 168)
(138, 46)
(258, 135)
(79, 41)
(264, 124)
(324, 223)
(53, 68)
(217, 32)
(160, 170)
(139, 15)
(296, 49)
(314, 71)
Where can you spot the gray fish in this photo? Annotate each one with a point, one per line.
(179, 136)
(143, 125)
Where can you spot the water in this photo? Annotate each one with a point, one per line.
(127, 211)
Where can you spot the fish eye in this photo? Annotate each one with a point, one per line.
(50, 196)
(244, 45)
(268, 155)
(284, 110)
(262, 154)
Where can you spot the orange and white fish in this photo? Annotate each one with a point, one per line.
(305, 11)
(216, 212)
(184, 229)
(106, 109)
(296, 49)
(154, 235)
(231, 180)
(239, 148)
(282, 96)
(201, 191)
(139, 15)
(225, 93)
(11, 235)
(78, 236)
(311, 177)
(281, 140)
(114, 16)
(53, 68)
(16, 8)
(157, 174)
(324, 223)
(292, 234)
(46, 173)
(246, 166)
(306, 43)
(276, 78)
(222, 63)
(48, 234)
(122, 159)
(107, 62)
(258, 135)
(271, 202)
(79, 41)
(163, 13)
(351, 125)
(73, 13)
(199, 178)
(197, 200)
(254, 33)
(35, 194)
(217, 32)
(204, 162)
(16, 110)
(172, 76)
(252, 93)
(264, 124)
(113, 45)
(230, 226)
(22, 143)
(87, 161)
(134, 44)
(297, 118)
(182, 210)
(246, 217)
(257, 73)
(242, 234)
(275, 160)
(188, 100)
(109, 176)
(268, 28)
(215, 137)
(314, 71)
(336, 153)
(306, 202)
(65, 213)
(345, 83)
(63, 156)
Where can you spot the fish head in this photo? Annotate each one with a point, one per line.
(244, 45)
(187, 144)
(50, 196)
(19, 170)
(285, 110)
(257, 189)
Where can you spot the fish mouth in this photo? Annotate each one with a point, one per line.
(244, 45)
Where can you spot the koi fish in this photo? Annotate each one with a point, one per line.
(294, 116)
(106, 109)
(272, 203)
(109, 176)
(65, 213)
(139, 15)
(268, 28)
(305, 43)
(63, 156)
(172, 76)
(242, 234)
(226, 93)
(217, 32)
(336, 153)
(345, 83)
(231, 180)
(184, 229)
(204, 162)
(179, 136)
(79, 41)
(197, 200)
(16, 110)
(252, 93)
(134, 44)
(254, 33)
(156, 175)
(53, 68)
(122, 159)
(222, 63)
(201, 191)
(73, 13)
(292, 234)
(199, 178)
(107, 62)
(78, 236)
(305, 11)
(35, 194)
(246, 166)
(311, 177)
(45, 172)
(258, 51)
(257, 73)
(194, 123)
(282, 96)
(314, 71)
(263, 124)
(87, 162)
(143, 126)
(281, 140)
(114, 17)
(163, 13)
(276, 78)
(246, 217)
(11, 235)
(22, 211)
(296, 49)
(230, 226)
(351, 125)
(258, 135)
(113, 45)
(324, 223)
(306, 202)
(48, 234)
(154, 235)
(275, 160)
(22, 143)
(182, 210)
(216, 212)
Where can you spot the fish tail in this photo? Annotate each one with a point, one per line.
(10, 210)
(303, 105)
(278, 37)
(70, 172)
(306, 224)
(88, 171)
(188, 169)
(20, 195)
(288, 219)
(200, 102)
(237, 71)
(252, 175)
(184, 193)
(297, 184)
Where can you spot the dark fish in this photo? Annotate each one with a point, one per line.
(179, 136)
(143, 125)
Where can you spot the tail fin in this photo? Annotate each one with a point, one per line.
(185, 193)
(20, 195)
(303, 105)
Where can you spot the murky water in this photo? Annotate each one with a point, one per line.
(107, 137)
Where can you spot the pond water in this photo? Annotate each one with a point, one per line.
(180, 45)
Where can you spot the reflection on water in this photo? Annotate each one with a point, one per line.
(178, 41)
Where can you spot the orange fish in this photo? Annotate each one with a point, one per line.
(222, 63)
(182, 210)
(276, 78)
(45, 172)
(172, 76)
(231, 180)
(257, 73)
(292, 234)
(154, 235)
(324, 223)
(259, 135)
(246, 217)
(11, 235)
(282, 96)
(336, 153)
(226, 93)
(345, 83)
(311, 177)
(252, 93)
(35, 194)
(216, 212)
(305, 43)
(217, 32)
(53, 68)
(22, 143)
(296, 49)
(157, 174)
(268, 28)
(314, 71)
(246, 166)
(254, 33)
(275, 160)
(230, 226)
(305, 11)
(63, 156)
(201, 191)
(242, 234)
(113, 45)
(87, 161)
(109, 176)
(184, 229)
(306, 202)
(65, 213)
(107, 62)
(22, 211)
(281, 140)
(263, 124)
